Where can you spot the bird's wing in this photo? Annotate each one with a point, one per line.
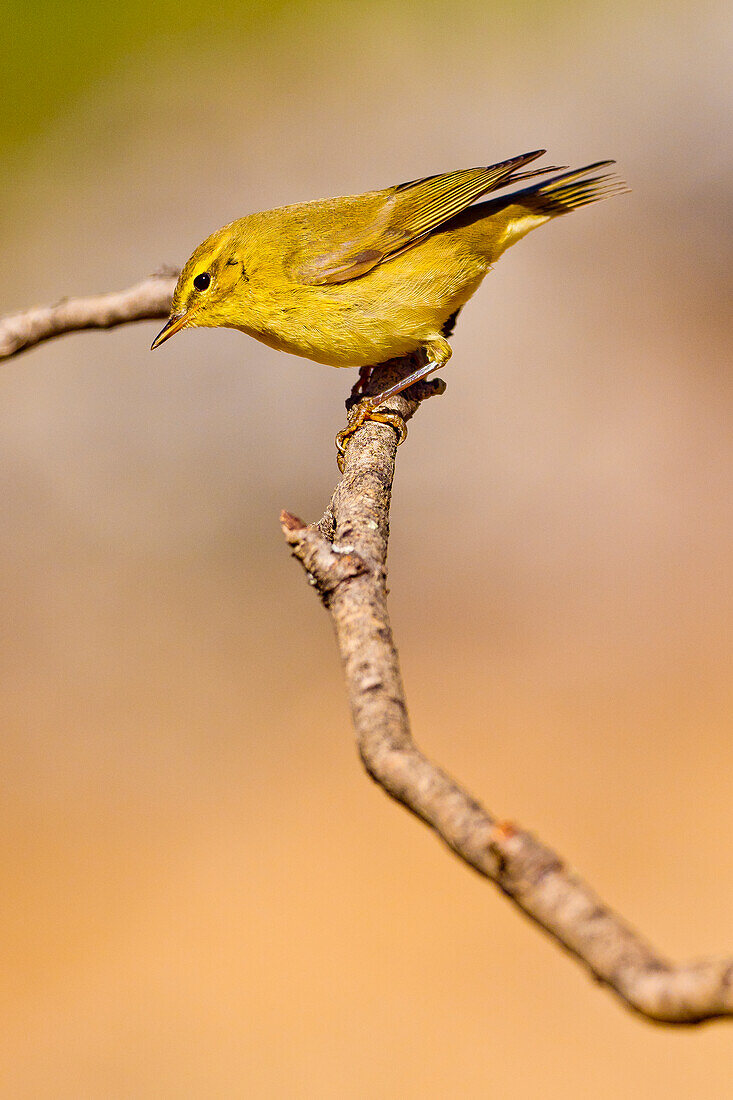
(407, 214)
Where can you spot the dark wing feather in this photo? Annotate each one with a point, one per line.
(409, 213)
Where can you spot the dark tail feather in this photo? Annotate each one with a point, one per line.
(564, 193)
(450, 324)
(534, 172)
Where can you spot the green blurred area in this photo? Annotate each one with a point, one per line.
(56, 51)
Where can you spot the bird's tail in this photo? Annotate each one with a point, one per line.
(510, 217)
(567, 192)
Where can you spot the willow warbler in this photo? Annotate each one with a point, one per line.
(358, 280)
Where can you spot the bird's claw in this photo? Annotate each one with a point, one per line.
(364, 413)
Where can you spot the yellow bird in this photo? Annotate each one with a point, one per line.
(358, 280)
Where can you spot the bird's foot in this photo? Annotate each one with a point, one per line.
(368, 411)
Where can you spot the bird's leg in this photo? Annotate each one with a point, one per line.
(438, 352)
(359, 386)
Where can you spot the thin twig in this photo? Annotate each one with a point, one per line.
(345, 557)
(146, 301)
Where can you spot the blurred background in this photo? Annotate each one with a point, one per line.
(203, 895)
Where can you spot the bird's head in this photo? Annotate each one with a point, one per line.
(208, 288)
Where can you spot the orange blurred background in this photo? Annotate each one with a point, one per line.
(204, 896)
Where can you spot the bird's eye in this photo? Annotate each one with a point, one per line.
(202, 281)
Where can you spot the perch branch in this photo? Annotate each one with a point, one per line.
(345, 557)
(146, 301)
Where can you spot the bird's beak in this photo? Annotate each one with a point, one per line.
(173, 325)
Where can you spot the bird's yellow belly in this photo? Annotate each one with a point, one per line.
(338, 344)
(386, 314)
